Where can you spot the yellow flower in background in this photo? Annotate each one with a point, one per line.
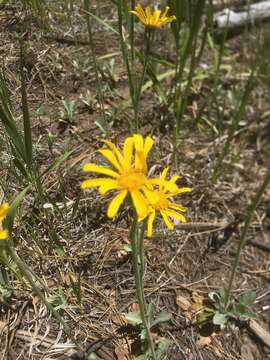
(155, 20)
(3, 213)
(128, 176)
(160, 202)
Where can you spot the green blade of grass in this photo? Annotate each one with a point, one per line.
(26, 116)
(6, 117)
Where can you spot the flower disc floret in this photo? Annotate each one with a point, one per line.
(152, 20)
(132, 180)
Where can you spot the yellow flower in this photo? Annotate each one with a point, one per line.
(3, 213)
(159, 201)
(128, 175)
(155, 20)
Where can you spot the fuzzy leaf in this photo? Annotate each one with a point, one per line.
(134, 318)
(220, 319)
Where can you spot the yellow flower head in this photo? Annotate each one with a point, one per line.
(3, 213)
(155, 20)
(159, 201)
(128, 175)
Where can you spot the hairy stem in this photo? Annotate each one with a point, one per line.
(136, 237)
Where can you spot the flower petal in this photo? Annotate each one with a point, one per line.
(165, 12)
(109, 155)
(116, 151)
(152, 196)
(150, 223)
(116, 203)
(127, 150)
(182, 190)
(140, 204)
(3, 210)
(109, 185)
(147, 146)
(148, 15)
(176, 215)
(89, 183)
(100, 170)
(168, 223)
(176, 207)
(155, 17)
(3, 234)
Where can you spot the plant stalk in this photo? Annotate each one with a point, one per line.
(242, 241)
(137, 237)
(148, 36)
(95, 64)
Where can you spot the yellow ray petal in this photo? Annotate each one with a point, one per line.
(182, 190)
(109, 155)
(168, 20)
(3, 234)
(116, 203)
(140, 14)
(148, 15)
(147, 146)
(155, 17)
(138, 141)
(176, 207)
(140, 204)
(116, 151)
(89, 183)
(165, 12)
(100, 170)
(127, 150)
(110, 185)
(150, 224)
(152, 196)
(3, 210)
(175, 215)
(168, 223)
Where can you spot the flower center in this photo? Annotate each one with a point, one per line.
(162, 202)
(131, 180)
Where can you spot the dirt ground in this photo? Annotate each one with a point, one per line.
(182, 265)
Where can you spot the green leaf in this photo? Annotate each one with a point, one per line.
(247, 298)
(9, 220)
(127, 248)
(214, 296)
(134, 318)
(26, 116)
(220, 319)
(145, 356)
(205, 315)
(161, 318)
(162, 348)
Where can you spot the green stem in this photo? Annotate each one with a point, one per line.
(148, 36)
(94, 59)
(136, 237)
(242, 241)
(125, 51)
(27, 273)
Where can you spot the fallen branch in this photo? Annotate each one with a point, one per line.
(233, 22)
(259, 331)
(258, 244)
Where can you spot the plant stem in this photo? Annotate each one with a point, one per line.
(28, 275)
(242, 241)
(148, 35)
(137, 237)
(94, 59)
